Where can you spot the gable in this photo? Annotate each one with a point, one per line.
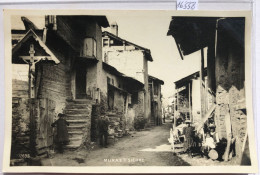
(20, 52)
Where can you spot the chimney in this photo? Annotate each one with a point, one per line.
(114, 28)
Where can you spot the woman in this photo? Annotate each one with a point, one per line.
(62, 136)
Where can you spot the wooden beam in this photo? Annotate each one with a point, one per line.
(206, 116)
(190, 109)
(202, 112)
(178, 49)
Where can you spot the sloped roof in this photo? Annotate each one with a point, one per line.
(147, 52)
(188, 78)
(32, 34)
(155, 79)
(114, 71)
(195, 33)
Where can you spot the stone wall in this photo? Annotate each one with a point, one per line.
(230, 90)
(20, 127)
(20, 112)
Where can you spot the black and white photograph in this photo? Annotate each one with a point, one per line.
(128, 89)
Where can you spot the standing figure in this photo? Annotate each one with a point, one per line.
(103, 124)
(62, 136)
(188, 132)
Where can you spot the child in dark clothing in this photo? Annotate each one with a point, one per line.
(62, 136)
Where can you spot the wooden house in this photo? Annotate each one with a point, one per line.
(225, 42)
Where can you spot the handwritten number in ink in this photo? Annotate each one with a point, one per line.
(186, 5)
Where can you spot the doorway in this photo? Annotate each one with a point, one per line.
(81, 81)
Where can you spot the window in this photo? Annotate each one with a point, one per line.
(105, 42)
(108, 80)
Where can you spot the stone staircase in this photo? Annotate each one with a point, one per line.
(78, 114)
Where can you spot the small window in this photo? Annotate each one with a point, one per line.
(105, 42)
(108, 80)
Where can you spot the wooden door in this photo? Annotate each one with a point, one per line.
(45, 134)
(81, 81)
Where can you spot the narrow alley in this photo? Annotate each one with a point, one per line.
(141, 148)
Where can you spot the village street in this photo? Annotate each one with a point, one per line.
(141, 148)
(84, 80)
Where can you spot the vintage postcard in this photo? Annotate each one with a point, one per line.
(128, 91)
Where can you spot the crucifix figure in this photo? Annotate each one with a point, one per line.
(31, 71)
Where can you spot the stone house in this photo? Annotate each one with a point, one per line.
(120, 99)
(224, 39)
(156, 100)
(131, 60)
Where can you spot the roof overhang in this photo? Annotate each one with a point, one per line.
(114, 71)
(152, 78)
(184, 81)
(147, 52)
(194, 33)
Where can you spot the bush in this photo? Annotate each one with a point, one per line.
(139, 122)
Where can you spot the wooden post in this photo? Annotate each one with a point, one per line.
(32, 126)
(190, 109)
(175, 116)
(201, 83)
(31, 65)
(229, 136)
(206, 94)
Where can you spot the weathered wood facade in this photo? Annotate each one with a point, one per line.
(54, 85)
(224, 38)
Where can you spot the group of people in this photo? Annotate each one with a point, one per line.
(203, 142)
(61, 137)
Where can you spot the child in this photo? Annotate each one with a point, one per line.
(208, 145)
(62, 132)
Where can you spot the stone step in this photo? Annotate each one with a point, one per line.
(76, 127)
(77, 122)
(77, 117)
(77, 111)
(75, 138)
(72, 146)
(75, 142)
(81, 101)
(78, 106)
(75, 133)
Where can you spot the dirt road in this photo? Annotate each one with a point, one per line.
(141, 148)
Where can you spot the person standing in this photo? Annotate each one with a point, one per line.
(103, 124)
(62, 136)
(188, 132)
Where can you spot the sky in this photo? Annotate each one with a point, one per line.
(148, 30)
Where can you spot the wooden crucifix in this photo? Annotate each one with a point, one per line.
(31, 71)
